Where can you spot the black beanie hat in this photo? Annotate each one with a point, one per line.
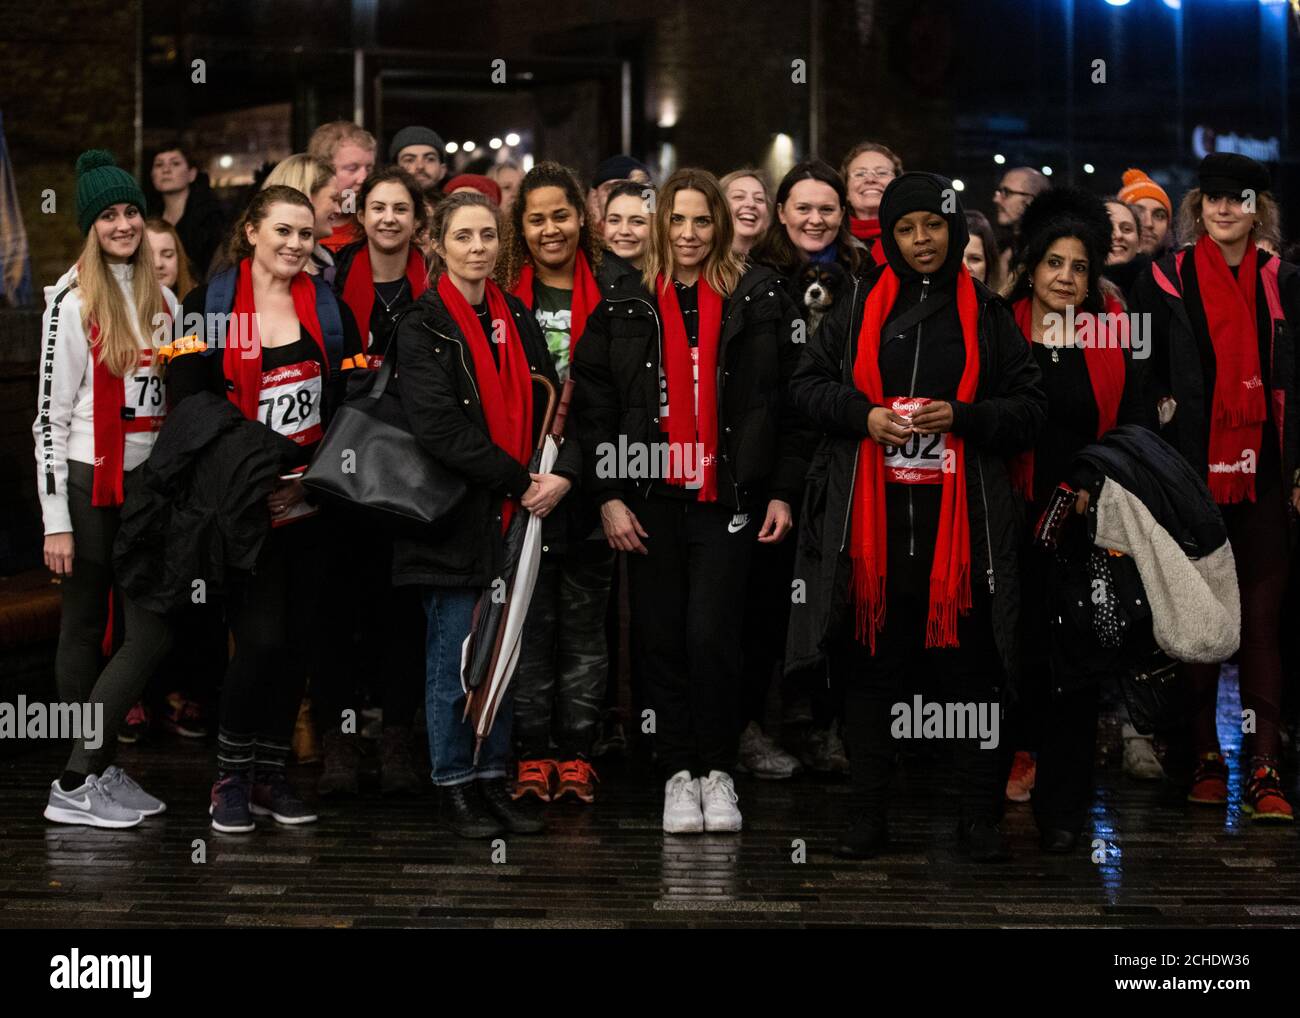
(1066, 211)
(1230, 173)
(617, 168)
(923, 192)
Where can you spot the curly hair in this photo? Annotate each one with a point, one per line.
(1063, 212)
(514, 249)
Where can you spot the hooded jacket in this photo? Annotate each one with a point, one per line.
(1003, 420)
(440, 398)
(199, 510)
(763, 442)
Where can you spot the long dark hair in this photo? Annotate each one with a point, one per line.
(1063, 212)
(397, 175)
(776, 249)
(514, 249)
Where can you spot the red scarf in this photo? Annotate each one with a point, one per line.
(108, 396)
(245, 371)
(359, 289)
(689, 428)
(506, 392)
(586, 295)
(950, 591)
(349, 233)
(1104, 358)
(868, 231)
(1239, 411)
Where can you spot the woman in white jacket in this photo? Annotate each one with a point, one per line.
(99, 405)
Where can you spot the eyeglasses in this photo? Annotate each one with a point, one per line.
(1006, 192)
(872, 175)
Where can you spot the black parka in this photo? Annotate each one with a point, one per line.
(440, 398)
(763, 441)
(1002, 421)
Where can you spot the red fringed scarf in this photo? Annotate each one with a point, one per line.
(586, 295)
(109, 399)
(950, 591)
(359, 290)
(241, 361)
(506, 392)
(1104, 357)
(691, 427)
(1239, 411)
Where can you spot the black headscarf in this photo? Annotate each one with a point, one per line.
(923, 192)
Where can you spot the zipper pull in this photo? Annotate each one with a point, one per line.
(989, 573)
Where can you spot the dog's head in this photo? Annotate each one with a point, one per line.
(820, 283)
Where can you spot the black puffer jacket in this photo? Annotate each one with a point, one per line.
(199, 510)
(435, 379)
(764, 442)
(1002, 420)
(1182, 366)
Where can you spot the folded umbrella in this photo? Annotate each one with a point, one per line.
(490, 653)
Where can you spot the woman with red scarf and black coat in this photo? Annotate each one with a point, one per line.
(377, 278)
(924, 387)
(1081, 344)
(694, 454)
(470, 403)
(282, 359)
(1223, 316)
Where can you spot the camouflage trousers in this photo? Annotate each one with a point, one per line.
(560, 684)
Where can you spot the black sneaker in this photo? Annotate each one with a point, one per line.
(229, 809)
(515, 816)
(275, 797)
(983, 841)
(866, 839)
(465, 813)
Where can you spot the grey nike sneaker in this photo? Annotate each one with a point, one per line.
(91, 804)
(123, 788)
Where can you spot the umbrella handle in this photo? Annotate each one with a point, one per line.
(562, 414)
(552, 399)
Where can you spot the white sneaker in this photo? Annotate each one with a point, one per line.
(682, 805)
(1140, 760)
(719, 795)
(763, 758)
(91, 804)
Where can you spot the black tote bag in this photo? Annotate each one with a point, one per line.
(370, 464)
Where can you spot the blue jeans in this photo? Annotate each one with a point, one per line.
(449, 611)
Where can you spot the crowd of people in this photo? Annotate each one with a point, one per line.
(872, 413)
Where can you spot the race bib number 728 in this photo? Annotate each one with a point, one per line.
(289, 401)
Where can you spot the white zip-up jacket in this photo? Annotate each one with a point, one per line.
(64, 428)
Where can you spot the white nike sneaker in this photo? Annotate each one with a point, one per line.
(682, 805)
(91, 804)
(1140, 760)
(719, 797)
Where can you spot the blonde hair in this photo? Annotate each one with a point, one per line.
(1190, 229)
(117, 345)
(722, 267)
(327, 139)
(302, 171)
(761, 177)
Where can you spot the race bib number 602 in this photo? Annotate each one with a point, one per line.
(920, 459)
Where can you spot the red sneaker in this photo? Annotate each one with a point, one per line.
(1024, 769)
(536, 777)
(1263, 798)
(135, 726)
(579, 777)
(183, 717)
(1209, 781)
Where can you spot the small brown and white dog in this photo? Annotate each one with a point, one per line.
(819, 284)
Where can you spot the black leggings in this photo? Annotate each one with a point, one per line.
(1257, 532)
(78, 659)
(274, 616)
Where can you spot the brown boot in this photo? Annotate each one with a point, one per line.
(397, 777)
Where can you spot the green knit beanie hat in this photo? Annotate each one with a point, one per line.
(101, 183)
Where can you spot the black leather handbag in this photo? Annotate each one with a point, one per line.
(370, 464)
(1155, 695)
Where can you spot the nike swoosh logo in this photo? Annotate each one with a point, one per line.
(82, 803)
(735, 527)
